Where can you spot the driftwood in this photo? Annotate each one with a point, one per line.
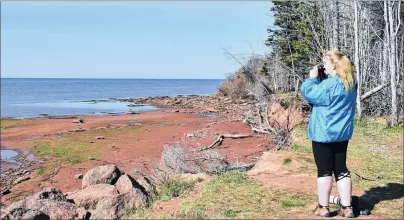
(260, 131)
(220, 138)
(267, 128)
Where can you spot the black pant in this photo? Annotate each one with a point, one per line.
(331, 158)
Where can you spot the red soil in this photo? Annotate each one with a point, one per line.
(159, 128)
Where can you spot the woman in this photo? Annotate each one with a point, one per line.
(330, 128)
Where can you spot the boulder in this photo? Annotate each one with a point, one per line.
(126, 183)
(89, 196)
(108, 174)
(21, 213)
(114, 207)
(69, 193)
(40, 209)
(142, 181)
(54, 209)
(82, 213)
(50, 193)
(15, 205)
(78, 121)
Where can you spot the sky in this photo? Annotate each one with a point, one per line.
(129, 39)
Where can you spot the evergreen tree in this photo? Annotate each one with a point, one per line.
(293, 38)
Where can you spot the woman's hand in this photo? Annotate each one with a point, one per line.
(314, 72)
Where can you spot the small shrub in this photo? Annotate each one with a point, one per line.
(174, 189)
(287, 161)
(397, 129)
(230, 179)
(229, 214)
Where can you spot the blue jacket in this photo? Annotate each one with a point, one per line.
(333, 109)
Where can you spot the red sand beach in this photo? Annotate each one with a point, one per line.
(121, 145)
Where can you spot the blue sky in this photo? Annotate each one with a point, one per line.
(125, 39)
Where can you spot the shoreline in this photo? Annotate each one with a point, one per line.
(128, 138)
(132, 101)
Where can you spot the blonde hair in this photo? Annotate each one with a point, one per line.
(343, 68)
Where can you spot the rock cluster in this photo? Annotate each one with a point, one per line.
(106, 193)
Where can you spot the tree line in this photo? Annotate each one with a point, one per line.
(370, 33)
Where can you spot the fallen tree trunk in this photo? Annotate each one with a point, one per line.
(220, 138)
(373, 91)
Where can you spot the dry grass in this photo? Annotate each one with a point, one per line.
(233, 195)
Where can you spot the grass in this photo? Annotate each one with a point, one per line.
(41, 171)
(233, 195)
(376, 131)
(397, 129)
(9, 122)
(229, 214)
(68, 153)
(174, 189)
(229, 196)
(292, 202)
(383, 167)
(287, 161)
(165, 192)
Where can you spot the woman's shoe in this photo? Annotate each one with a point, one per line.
(346, 212)
(322, 211)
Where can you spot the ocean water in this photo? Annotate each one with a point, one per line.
(27, 98)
